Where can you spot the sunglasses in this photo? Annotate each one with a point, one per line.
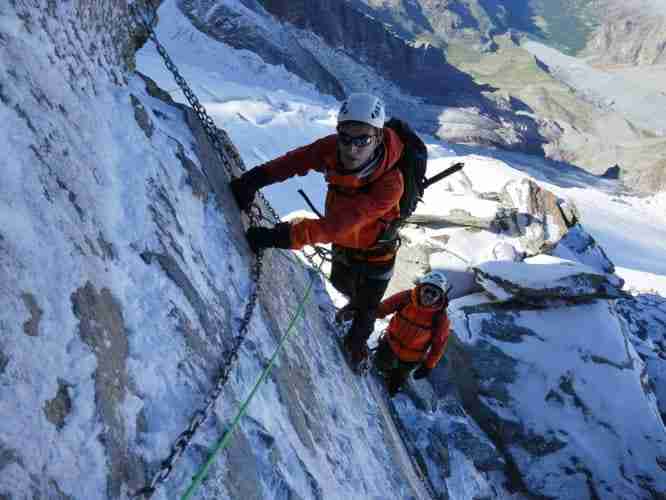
(360, 141)
(431, 291)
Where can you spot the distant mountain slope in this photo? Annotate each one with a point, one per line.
(631, 33)
(567, 24)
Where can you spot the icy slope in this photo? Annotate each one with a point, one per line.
(123, 276)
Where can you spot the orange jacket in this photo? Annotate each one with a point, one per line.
(357, 211)
(410, 333)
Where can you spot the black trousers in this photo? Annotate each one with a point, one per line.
(364, 284)
(396, 372)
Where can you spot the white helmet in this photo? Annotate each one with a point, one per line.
(364, 108)
(436, 278)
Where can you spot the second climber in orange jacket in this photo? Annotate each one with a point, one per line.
(417, 333)
(363, 198)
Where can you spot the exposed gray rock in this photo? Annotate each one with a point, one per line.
(142, 118)
(7, 457)
(57, 409)
(31, 326)
(102, 328)
(4, 360)
(523, 215)
(612, 173)
(539, 216)
(456, 218)
(521, 220)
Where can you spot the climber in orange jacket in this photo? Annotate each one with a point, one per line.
(363, 198)
(417, 334)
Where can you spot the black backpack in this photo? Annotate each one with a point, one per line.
(412, 164)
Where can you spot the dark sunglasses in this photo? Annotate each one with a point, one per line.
(359, 141)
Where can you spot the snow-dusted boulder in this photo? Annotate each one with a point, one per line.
(545, 277)
(579, 246)
(563, 394)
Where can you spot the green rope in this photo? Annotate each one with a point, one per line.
(222, 444)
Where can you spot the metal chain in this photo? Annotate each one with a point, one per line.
(201, 415)
(225, 152)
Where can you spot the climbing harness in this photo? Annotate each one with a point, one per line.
(255, 215)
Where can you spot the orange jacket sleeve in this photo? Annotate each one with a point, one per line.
(438, 343)
(393, 303)
(298, 161)
(384, 194)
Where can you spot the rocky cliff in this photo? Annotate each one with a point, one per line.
(421, 70)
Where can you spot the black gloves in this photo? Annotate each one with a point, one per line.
(244, 189)
(269, 237)
(246, 186)
(422, 372)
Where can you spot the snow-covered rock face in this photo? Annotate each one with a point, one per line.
(459, 457)
(562, 393)
(645, 320)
